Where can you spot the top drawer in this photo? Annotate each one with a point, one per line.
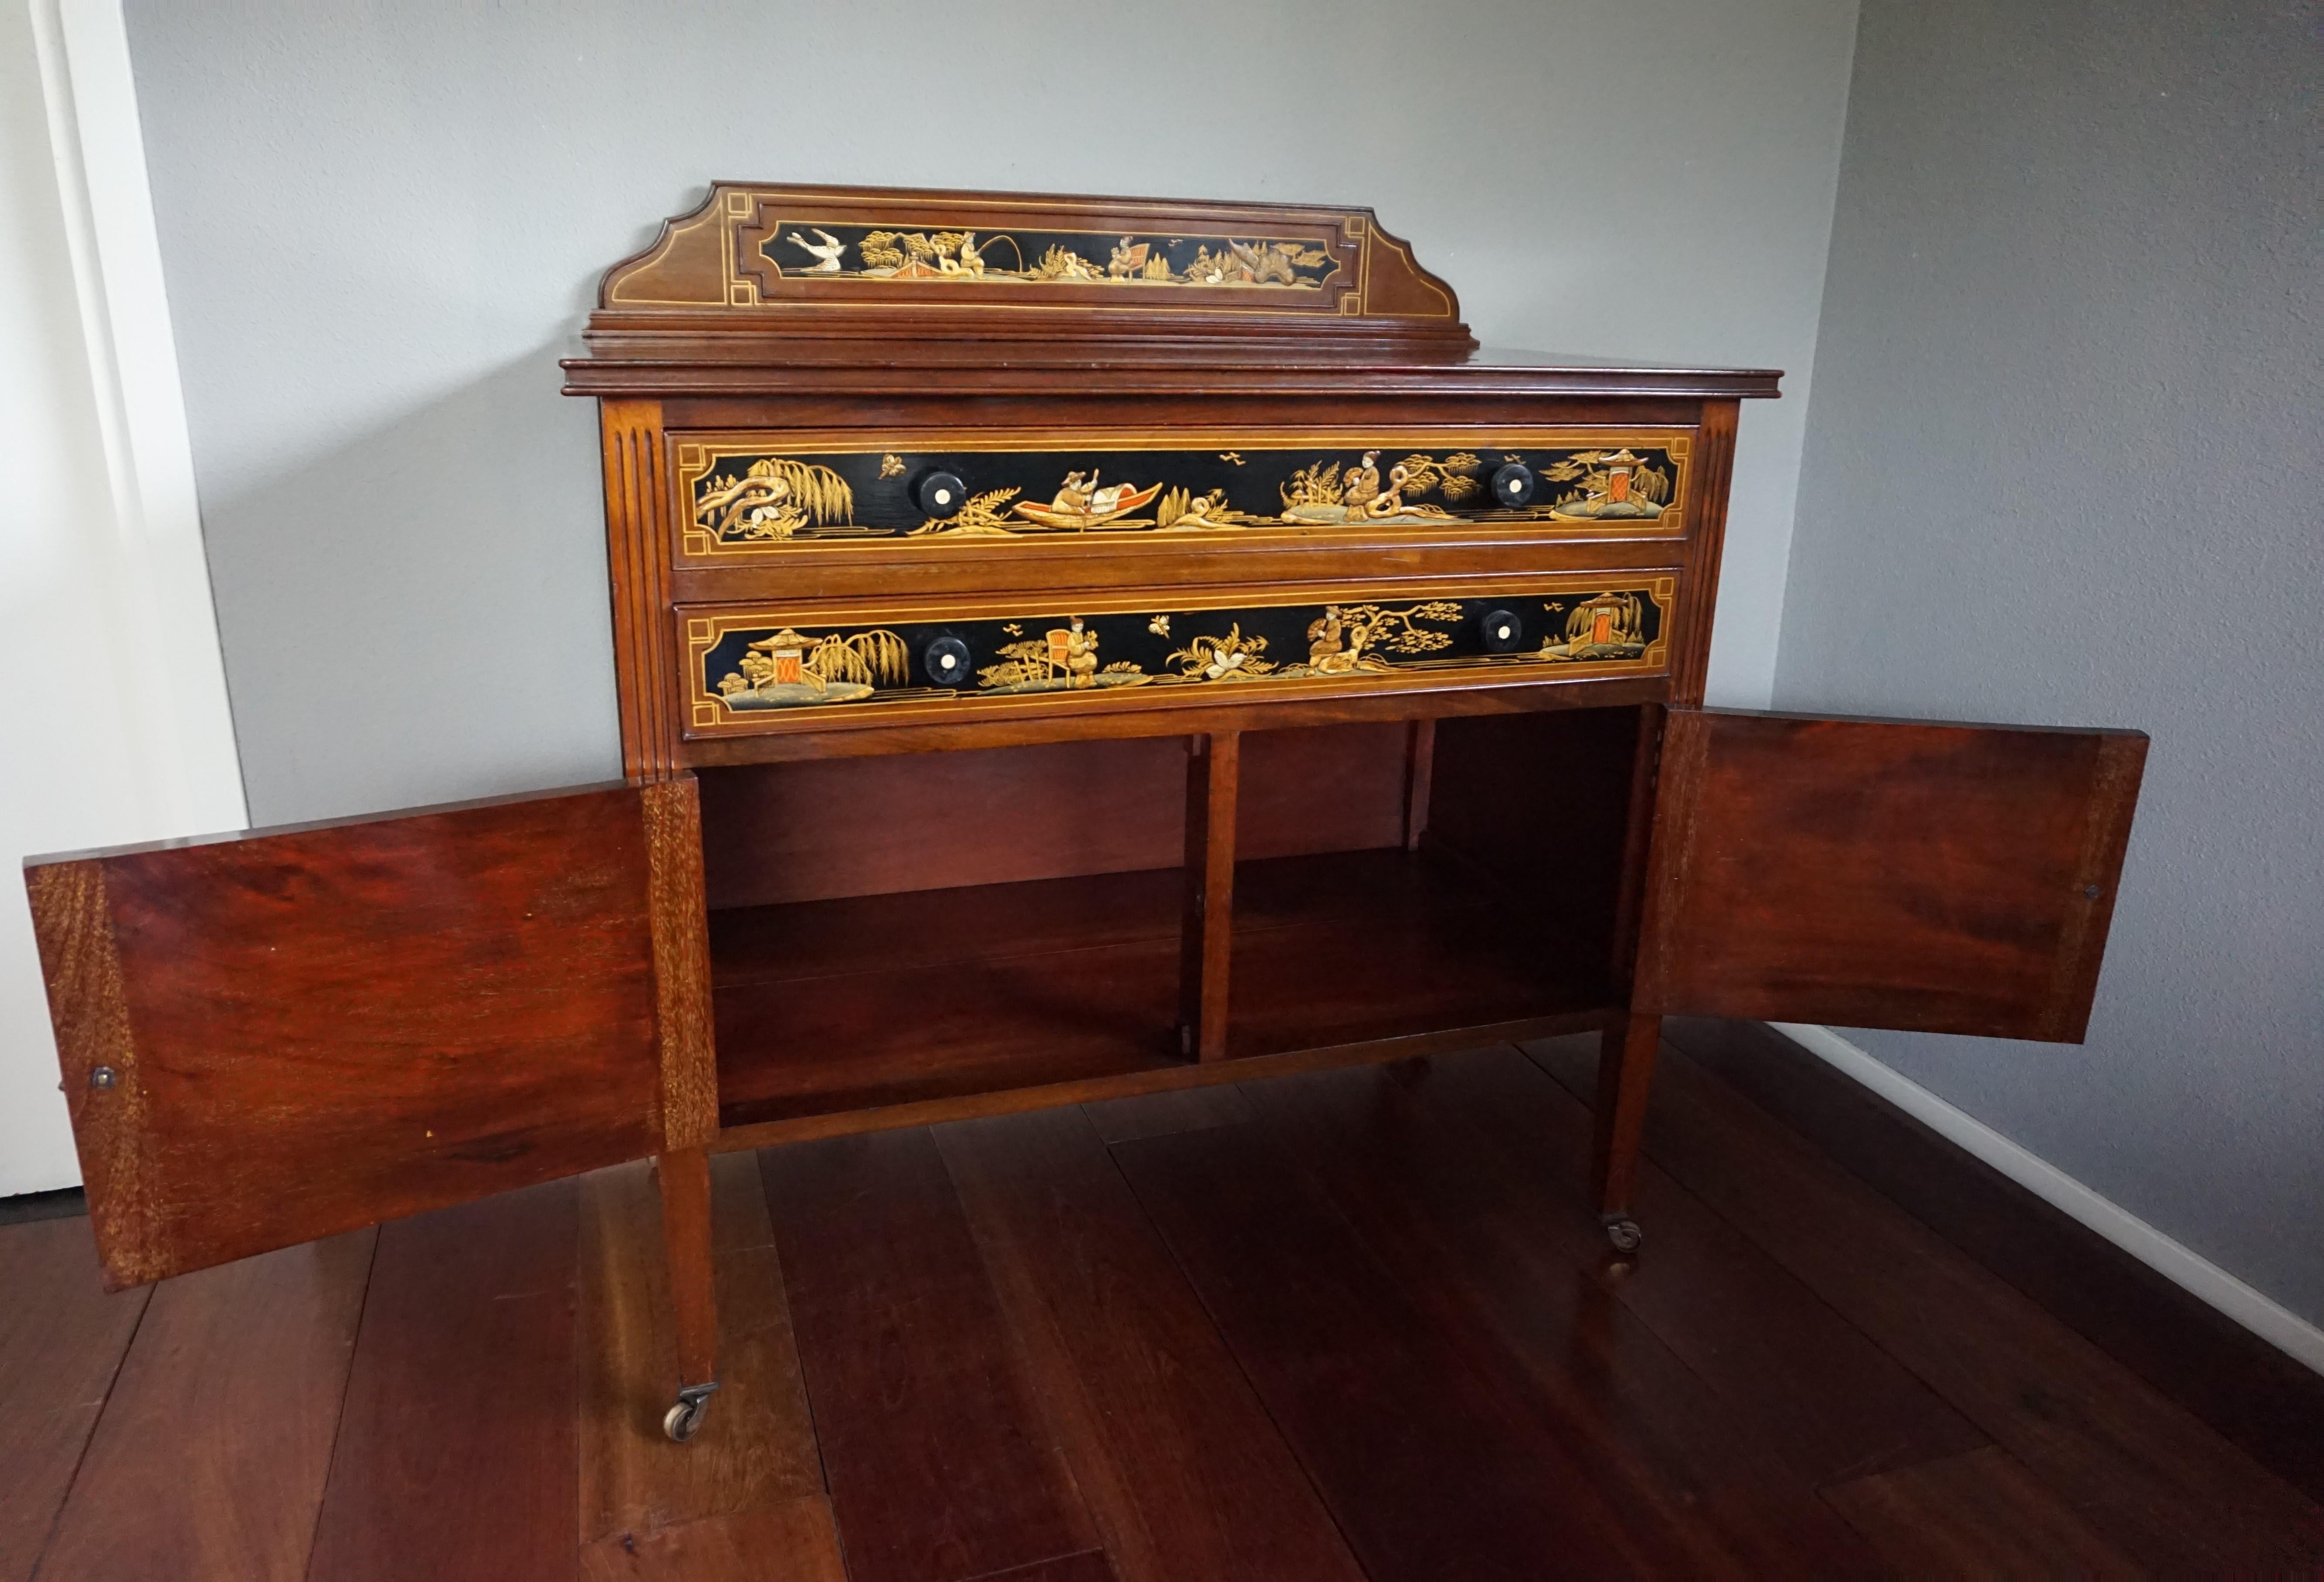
(793, 498)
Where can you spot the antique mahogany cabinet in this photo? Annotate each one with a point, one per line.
(1067, 648)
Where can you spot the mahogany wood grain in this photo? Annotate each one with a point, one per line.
(849, 371)
(1180, 1468)
(833, 1043)
(645, 669)
(393, 1014)
(1539, 798)
(1625, 1064)
(794, 1542)
(1033, 406)
(928, 930)
(61, 1341)
(2145, 1474)
(1431, 1464)
(822, 829)
(677, 916)
(1637, 841)
(1714, 466)
(1976, 1514)
(1080, 570)
(756, 1448)
(1952, 878)
(1536, 805)
(1514, 1277)
(1206, 930)
(216, 1438)
(1177, 1076)
(1024, 986)
(457, 1449)
(1372, 944)
(1277, 812)
(938, 1465)
(1419, 767)
(712, 265)
(871, 738)
(1828, 1400)
(684, 1178)
(844, 827)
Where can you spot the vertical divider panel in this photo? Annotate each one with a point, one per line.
(1419, 765)
(1214, 770)
(1637, 842)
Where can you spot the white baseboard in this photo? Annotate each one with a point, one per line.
(2280, 1327)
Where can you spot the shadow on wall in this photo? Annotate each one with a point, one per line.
(366, 597)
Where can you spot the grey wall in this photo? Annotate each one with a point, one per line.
(382, 224)
(2063, 466)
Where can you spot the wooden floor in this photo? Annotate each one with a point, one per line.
(1357, 1324)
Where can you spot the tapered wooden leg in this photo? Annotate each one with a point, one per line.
(694, 1307)
(1626, 1076)
(1206, 936)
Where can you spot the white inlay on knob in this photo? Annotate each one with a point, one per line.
(948, 661)
(943, 497)
(1501, 631)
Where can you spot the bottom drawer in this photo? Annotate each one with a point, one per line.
(752, 669)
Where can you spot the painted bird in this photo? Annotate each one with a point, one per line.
(829, 252)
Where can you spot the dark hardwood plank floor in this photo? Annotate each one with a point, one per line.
(62, 1342)
(2148, 1475)
(210, 1459)
(2200, 1357)
(1355, 1323)
(1183, 1471)
(457, 1446)
(940, 1466)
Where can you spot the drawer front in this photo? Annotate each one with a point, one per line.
(761, 668)
(747, 496)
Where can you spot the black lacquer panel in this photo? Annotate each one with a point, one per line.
(745, 497)
(753, 664)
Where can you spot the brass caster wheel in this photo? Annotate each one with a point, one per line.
(1625, 1234)
(683, 1421)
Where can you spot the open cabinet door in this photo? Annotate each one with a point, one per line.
(1870, 873)
(278, 1035)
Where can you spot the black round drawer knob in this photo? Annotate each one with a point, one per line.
(945, 659)
(1503, 631)
(1513, 485)
(940, 494)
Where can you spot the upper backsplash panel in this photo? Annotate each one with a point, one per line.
(1151, 265)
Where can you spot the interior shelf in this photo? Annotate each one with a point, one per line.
(1352, 946)
(872, 1000)
(835, 1004)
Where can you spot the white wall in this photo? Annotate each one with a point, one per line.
(382, 224)
(2063, 467)
(113, 711)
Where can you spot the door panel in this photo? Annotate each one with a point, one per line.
(305, 1030)
(1949, 879)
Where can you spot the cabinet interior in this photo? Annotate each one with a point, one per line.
(889, 928)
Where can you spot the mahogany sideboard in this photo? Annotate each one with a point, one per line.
(1066, 648)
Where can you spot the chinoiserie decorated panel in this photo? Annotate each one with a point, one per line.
(751, 247)
(750, 495)
(757, 670)
(840, 249)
